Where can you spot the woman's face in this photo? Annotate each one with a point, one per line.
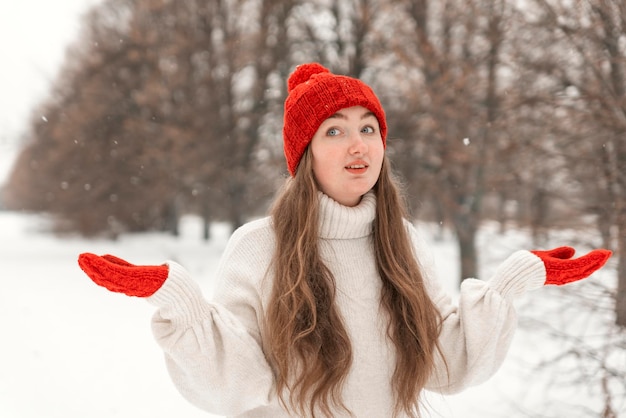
(348, 153)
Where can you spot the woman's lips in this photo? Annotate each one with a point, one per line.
(357, 167)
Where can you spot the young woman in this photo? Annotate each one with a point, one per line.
(328, 307)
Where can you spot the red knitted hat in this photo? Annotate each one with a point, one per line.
(314, 94)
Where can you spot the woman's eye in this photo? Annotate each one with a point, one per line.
(332, 132)
(367, 130)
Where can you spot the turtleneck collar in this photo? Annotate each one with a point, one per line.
(343, 222)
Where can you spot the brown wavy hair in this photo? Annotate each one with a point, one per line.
(306, 340)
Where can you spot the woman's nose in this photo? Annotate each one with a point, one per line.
(357, 144)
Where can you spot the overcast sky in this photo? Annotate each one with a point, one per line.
(34, 35)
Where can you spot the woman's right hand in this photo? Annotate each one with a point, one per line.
(120, 276)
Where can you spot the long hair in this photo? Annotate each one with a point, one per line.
(307, 342)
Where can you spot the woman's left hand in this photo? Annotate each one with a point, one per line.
(562, 269)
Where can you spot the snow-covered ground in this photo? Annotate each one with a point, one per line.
(72, 349)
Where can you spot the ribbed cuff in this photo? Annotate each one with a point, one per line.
(518, 274)
(180, 298)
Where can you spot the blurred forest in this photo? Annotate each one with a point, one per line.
(498, 110)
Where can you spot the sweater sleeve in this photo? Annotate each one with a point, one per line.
(213, 359)
(477, 331)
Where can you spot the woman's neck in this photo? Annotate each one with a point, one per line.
(337, 221)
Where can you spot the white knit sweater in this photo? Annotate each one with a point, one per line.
(214, 350)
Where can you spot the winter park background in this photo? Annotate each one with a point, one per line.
(72, 349)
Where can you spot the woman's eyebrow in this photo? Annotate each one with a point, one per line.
(340, 115)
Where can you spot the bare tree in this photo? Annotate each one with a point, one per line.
(169, 99)
(85, 155)
(586, 356)
(591, 73)
(450, 125)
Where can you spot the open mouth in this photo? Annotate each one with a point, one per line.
(357, 168)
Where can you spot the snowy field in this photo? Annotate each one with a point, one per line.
(72, 349)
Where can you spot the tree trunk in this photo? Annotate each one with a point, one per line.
(620, 297)
(206, 221)
(620, 218)
(466, 235)
(170, 217)
(236, 196)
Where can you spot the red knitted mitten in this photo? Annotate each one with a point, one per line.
(562, 269)
(120, 276)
